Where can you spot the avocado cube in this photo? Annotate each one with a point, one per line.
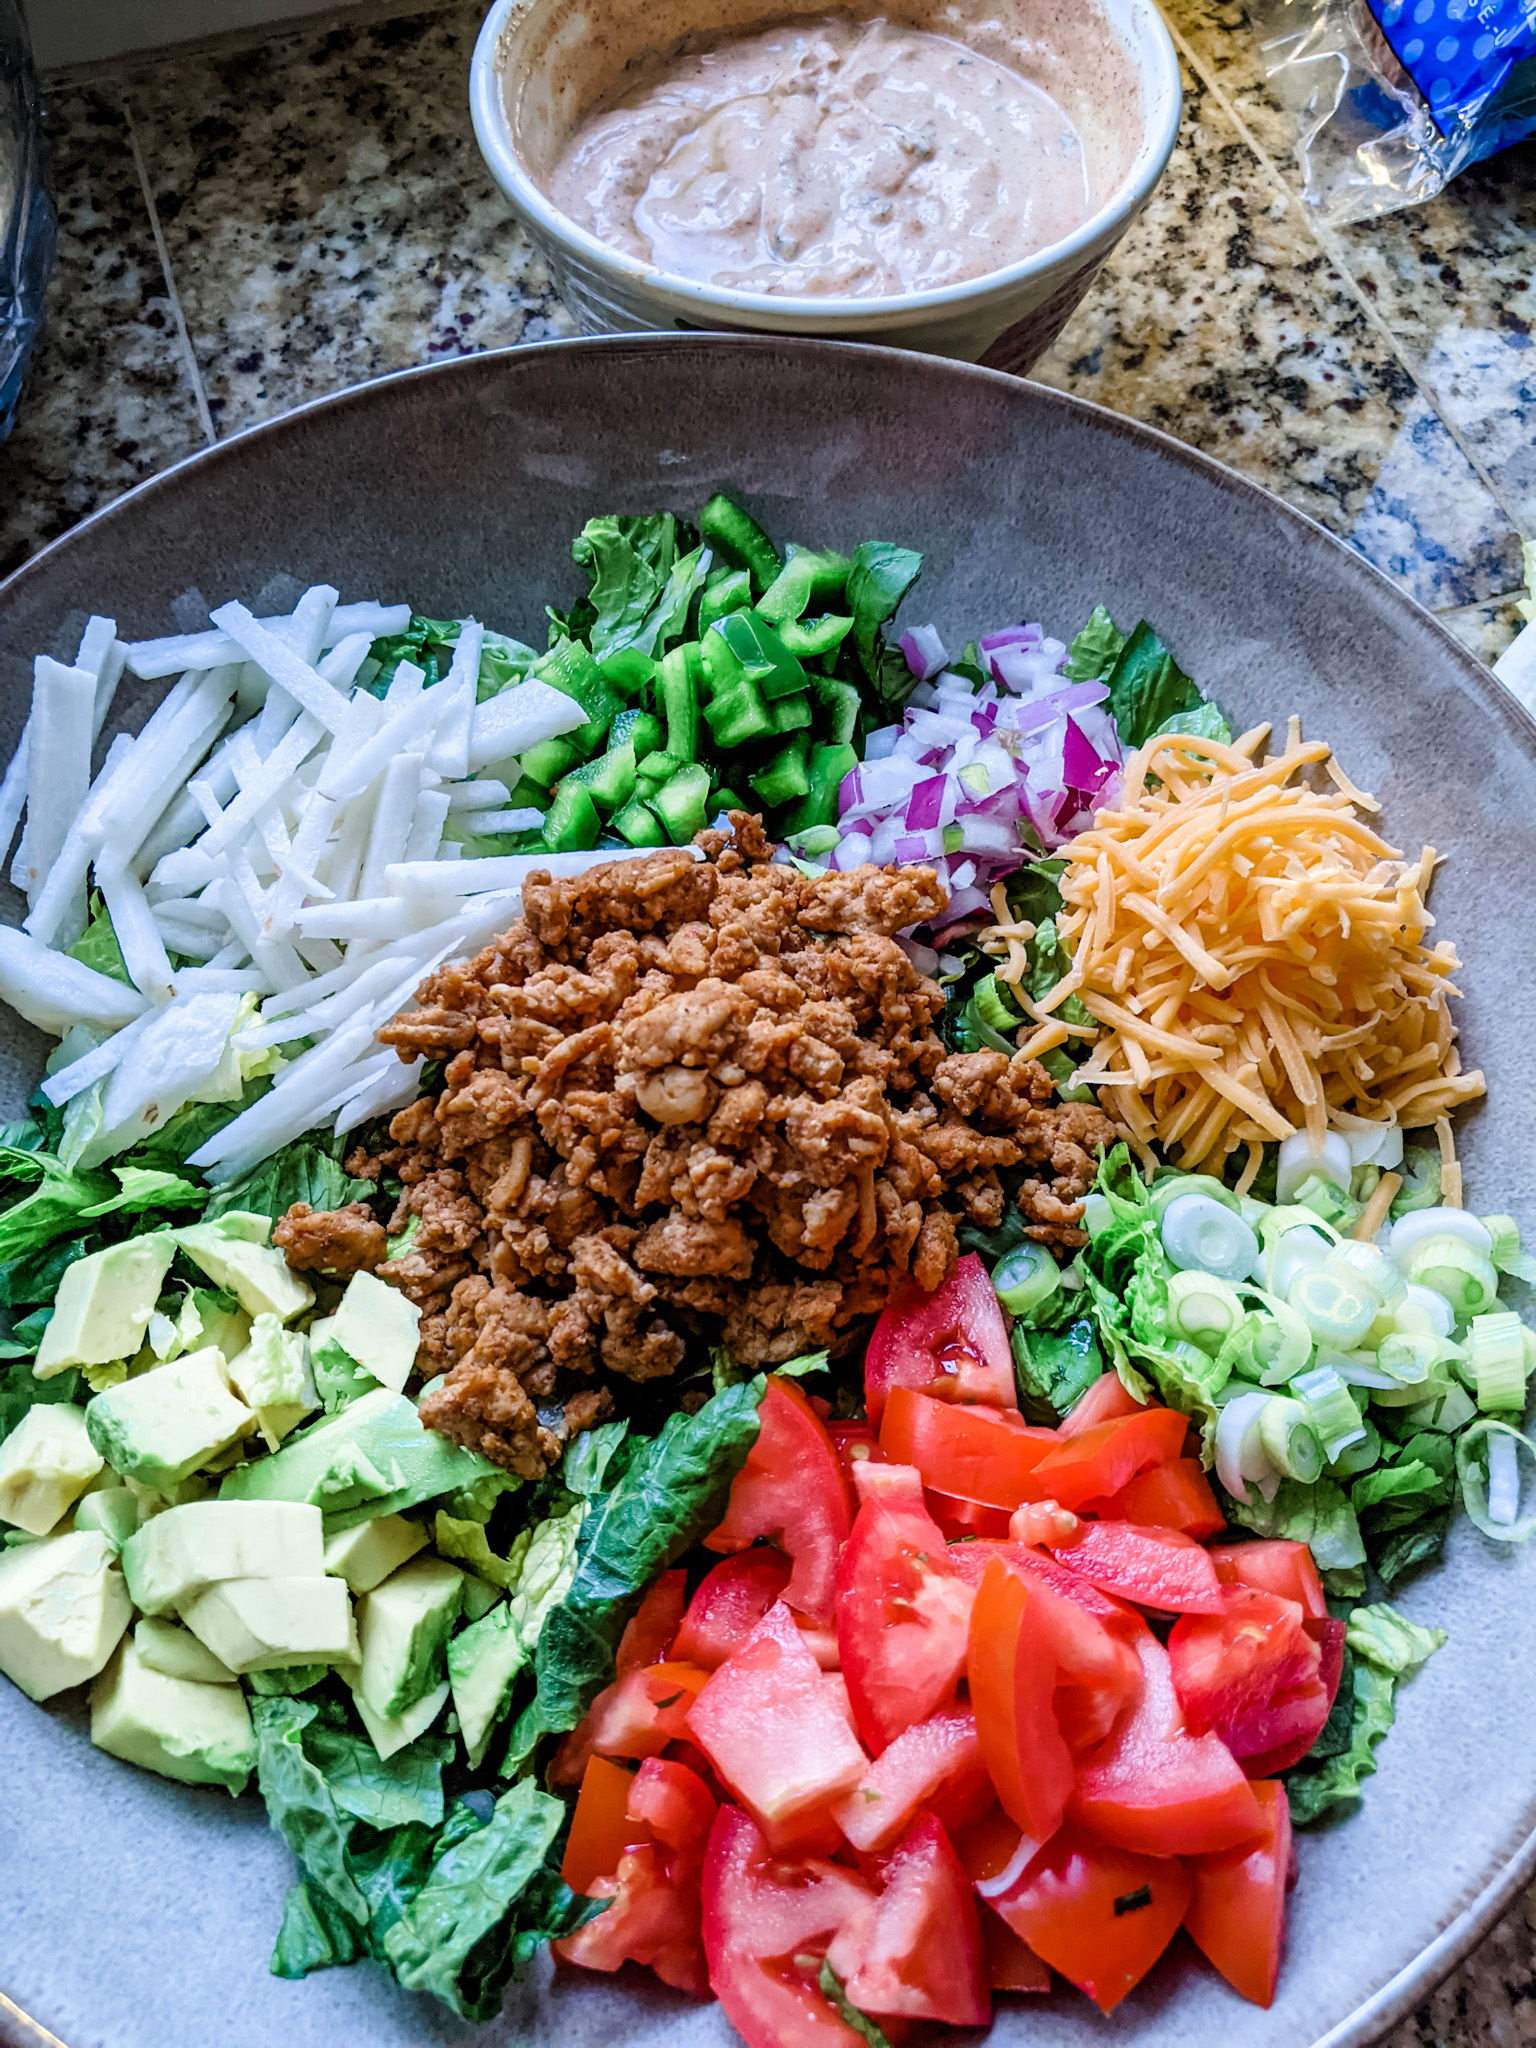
(396, 1731)
(250, 1269)
(377, 1326)
(403, 1627)
(367, 1553)
(166, 1647)
(256, 1624)
(160, 1427)
(483, 1662)
(197, 1734)
(46, 1463)
(373, 1457)
(272, 1376)
(104, 1304)
(112, 1510)
(63, 1609)
(175, 1555)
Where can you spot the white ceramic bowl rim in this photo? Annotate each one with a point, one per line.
(1157, 62)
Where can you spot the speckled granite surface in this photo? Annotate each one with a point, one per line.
(252, 224)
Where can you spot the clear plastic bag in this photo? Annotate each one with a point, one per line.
(26, 208)
(1393, 97)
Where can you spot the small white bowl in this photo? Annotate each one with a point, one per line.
(532, 81)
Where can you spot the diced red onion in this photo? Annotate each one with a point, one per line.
(924, 651)
(1012, 636)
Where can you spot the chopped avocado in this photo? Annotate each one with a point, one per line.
(480, 1596)
(254, 1624)
(161, 1426)
(271, 1375)
(372, 1458)
(483, 1662)
(113, 1510)
(227, 1329)
(175, 1651)
(46, 1463)
(377, 1326)
(394, 1731)
(288, 1680)
(104, 1304)
(63, 1607)
(198, 1734)
(367, 1553)
(245, 1265)
(175, 1555)
(403, 1627)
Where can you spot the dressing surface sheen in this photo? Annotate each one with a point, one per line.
(830, 155)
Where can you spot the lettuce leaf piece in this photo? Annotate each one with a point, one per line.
(502, 659)
(97, 945)
(585, 1467)
(299, 1802)
(143, 1190)
(672, 1494)
(472, 1925)
(880, 578)
(170, 1146)
(861, 2023)
(19, 1391)
(1316, 1789)
(629, 560)
(1147, 687)
(308, 1170)
(1094, 651)
(1055, 1368)
(1389, 1640)
(339, 1379)
(466, 1540)
(407, 1786)
(57, 1200)
(1317, 1515)
(1406, 1550)
(1206, 720)
(34, 1278)
(315, 1935)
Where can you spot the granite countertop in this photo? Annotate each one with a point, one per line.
(248, 224)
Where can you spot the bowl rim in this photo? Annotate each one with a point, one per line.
(1394, 2000)
(1162, 87)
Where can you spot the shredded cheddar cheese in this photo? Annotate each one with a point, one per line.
(1254, 955)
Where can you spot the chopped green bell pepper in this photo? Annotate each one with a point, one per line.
(790, 714)
(609, 780)
(829, 764)
(786, 775)
(758, 652)
(736, 536)
(737, 715)
(639, 824)
(549, 760)
(571, 823)
(810, 576)
(728, 591)
(838, 704)
(642, 730)
(678, 693)
(820, 637)
(656, 769)
(680, 803)
(627, 670)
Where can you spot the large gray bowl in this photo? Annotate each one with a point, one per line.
(138, 1914)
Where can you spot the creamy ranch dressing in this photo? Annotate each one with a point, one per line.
(830, 155)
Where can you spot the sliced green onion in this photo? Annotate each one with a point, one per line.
(1286, 1432)
(1450, 1267)
(1172, 1185)
(995, 1007)
(1420, 1175)
(1371, 1264)
(1490, 1484)
(1025, 1278)
(1203, 1309)
(1495, 1349)
(1330, 1410)
(1409, 1359)
(1425, 1311)
(1336, 1304)
(1282, 1343)
(1299, 1160)
(1333, 1205)
(1240, 1451)
(1298, 1251)
(1200, 1232)
(1447, 1412)
(1292, 1217)
(1358, 1369)
(815, 839)
(1413, 1230)
(1359, 1457)
(1505, 1249)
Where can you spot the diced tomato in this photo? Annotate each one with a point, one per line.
(771, 1726)
(919, 1955)
(1104, 1400)
(887, 1482)
(936, 1764)
(792, 1489)
(653, 1627)
(677, 1808)
(759, 1917)
(952, 1343)
(978, 1454)
(1105, 1458)
(1237, 1914)
(1276, 1567)
(970, 1561)
(729, 1603)
(855, 1444)
(1157, 1788)
(994, 1847)
(1156, 1568)
(1100, 1915)
(959, 1518)
(1172, 1496)
(650, 1920)
(902, 1618)
(1047, 1681)
(601, 1829)
(1230, 1667)
(638, 1715)
(1301, 1712)
(1012, 1964)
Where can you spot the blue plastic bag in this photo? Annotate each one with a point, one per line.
(26, 208)
(1394, 97)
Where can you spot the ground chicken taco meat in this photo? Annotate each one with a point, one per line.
(686, 1102)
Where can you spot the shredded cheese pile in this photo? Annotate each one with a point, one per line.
(1254, 956)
